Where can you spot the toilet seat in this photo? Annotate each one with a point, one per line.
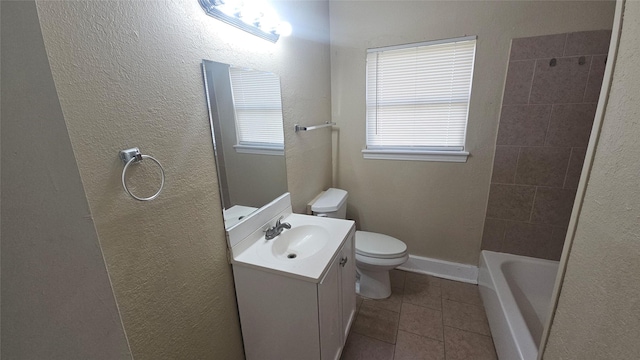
(379, 246)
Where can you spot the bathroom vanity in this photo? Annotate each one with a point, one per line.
(296, 292)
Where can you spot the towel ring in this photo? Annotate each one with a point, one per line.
(131, 156)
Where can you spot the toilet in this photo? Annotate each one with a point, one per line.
(376, 254)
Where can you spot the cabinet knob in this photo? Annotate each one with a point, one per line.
(344, 260)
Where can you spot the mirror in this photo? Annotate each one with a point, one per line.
(245, 113)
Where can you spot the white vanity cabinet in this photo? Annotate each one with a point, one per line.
(284, 316)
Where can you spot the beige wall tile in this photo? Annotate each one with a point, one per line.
(510, 202)
(588, 42)
(523, 125)
(527, 239)
(598, 305)
(570, 125)
(575, 168)
(594, 84)
(518, 84)
(537, 47)
(553, 206)
(563, 83)
(504, 164)
(542, 166)
(493, 235)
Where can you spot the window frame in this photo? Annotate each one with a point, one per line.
(419, 153)
(254, 147)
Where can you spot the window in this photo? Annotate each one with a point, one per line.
(258, 108)
(418, 100)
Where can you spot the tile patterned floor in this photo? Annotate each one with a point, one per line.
(426, 318)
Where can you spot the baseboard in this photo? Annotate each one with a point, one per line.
(440, 268)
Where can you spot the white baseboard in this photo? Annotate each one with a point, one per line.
(440, 268)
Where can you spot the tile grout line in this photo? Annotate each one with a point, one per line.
(546, 131)
(586, 86)
(566, 173)
(533, 204)
(515, 173)
(469, 331)
(533, 76)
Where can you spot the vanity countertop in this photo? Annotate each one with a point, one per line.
(261, 253)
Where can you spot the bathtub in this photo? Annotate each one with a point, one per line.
(516, 292)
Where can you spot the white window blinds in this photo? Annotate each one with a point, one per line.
(256, 98)
(418, 95)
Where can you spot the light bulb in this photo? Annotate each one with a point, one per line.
(284, 29)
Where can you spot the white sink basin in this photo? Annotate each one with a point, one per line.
(312, 238)
(299, 242)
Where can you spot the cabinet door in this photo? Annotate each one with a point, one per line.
(348, 284)
(330, 314)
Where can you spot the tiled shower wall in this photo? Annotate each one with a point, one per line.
(552, 87)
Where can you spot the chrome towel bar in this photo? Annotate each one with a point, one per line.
(307, 128)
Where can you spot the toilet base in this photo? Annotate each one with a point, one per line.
(374, 284)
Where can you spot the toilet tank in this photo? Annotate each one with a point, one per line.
(333, 204)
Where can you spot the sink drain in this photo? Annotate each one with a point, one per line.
(291, 256)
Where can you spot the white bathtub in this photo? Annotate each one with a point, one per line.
(516, 292)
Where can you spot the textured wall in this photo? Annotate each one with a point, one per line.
(552, 88)
(599, 305)
(436, 208)
(129, 74)
(57, 301)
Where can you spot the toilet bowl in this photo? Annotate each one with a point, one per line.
(376, 254)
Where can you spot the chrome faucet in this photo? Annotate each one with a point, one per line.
(274, 231)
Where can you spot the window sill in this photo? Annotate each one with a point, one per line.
(417, 155)
(260, 150)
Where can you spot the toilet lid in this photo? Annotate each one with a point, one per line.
(379, 245)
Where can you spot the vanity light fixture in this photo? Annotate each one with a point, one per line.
(254, 17)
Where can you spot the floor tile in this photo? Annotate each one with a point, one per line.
(461, 292)
(464, 345)
(465, 317)
(360, 347)
(412, 347)
(359, 300)
(423, 294)
(392, 303)
(438, 319)
(377, 323)
(421, 321)
(423, 279)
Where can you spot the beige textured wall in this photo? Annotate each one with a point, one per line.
(599, 304)
(128, 74)
(436, 208)
(57, 301)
